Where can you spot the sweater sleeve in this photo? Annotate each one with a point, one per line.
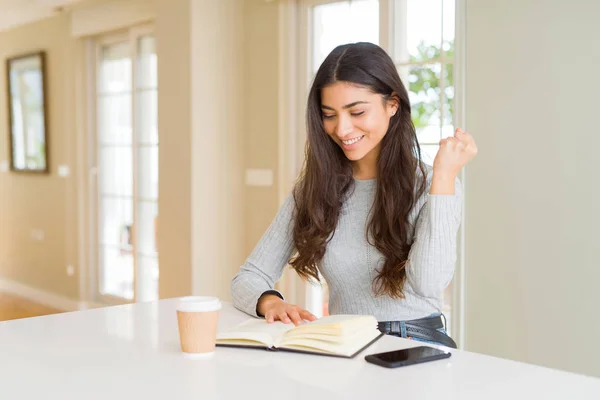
(264, 266)
(432, 257)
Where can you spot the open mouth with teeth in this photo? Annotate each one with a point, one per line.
(350, 142)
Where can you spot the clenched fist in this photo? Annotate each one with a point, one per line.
(454, 153)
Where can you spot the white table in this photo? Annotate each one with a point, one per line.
(132, 352)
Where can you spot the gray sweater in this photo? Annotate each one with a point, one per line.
(350, 262)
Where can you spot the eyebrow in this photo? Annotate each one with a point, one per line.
(346, 106)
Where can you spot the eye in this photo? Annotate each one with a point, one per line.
(357, 114)
(328, 116)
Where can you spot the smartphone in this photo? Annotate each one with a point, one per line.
(404, 357)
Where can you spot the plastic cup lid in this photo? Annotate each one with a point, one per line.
(199, 304)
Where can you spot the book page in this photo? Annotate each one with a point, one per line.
(335, 334)
(254, 330)
(337, 325)
(344, 348)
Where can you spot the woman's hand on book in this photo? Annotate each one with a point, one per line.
(275, 309)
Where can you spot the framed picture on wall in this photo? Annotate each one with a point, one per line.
(27, 115)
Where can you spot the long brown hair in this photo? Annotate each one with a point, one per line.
(326, 178)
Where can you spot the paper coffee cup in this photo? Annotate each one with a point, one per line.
(197, 318)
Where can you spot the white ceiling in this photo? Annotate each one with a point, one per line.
(18, 12)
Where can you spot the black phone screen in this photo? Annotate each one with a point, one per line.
(408, 356)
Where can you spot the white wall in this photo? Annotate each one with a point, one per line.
(533, 192)
(217, 131)
(201, 120)
(173, 27)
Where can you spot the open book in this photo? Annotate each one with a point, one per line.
(335, 335)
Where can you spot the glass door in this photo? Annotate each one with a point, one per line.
(126, 149)
(419, 35)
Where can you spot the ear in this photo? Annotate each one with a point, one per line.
(393, 104)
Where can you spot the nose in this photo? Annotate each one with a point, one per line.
(343, 127)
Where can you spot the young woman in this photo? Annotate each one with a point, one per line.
(376, 222)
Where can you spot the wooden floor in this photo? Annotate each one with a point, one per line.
(13, 307)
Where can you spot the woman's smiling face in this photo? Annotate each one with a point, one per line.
(355, 118)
